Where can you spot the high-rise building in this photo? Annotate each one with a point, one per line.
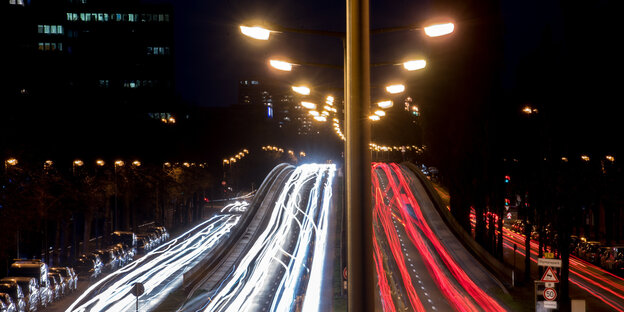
(88, 64)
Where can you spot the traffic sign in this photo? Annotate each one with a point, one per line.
(137, 289)
(550, 294)
(549, 255)
(555, 263)
(549, 276)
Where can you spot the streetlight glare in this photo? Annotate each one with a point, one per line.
(99, 162)
(380, 113)
(394, 89)
(439, 29)
(11, 161)
(415, 64)
(281, 65)
(308, 105)
(385, 104)
(78, 162)
(320, 118)
(256, 32)
(373, 117)
(301, 90)
(314, 113)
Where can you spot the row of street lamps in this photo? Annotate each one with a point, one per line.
(356, 71)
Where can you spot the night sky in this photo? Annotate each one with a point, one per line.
(550, 51)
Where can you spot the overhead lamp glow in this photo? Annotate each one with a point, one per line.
(281, 65)
(394, 89)
(380, 113)
(256, 32)
(320, 118)
(301, 90)
(439, 29)
(415, 64)
(385, 104)
(308, 105)
(373, 117)
(314, 113)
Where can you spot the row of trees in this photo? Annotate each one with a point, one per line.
(55, 209)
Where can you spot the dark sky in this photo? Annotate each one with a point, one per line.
(566, 50)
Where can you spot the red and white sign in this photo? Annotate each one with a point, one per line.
(549, 276)
(550, 294)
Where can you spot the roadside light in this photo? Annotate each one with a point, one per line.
(610, 158)
(396, 88)
(301, 90)
(308, 105)
(167, 164)
(320, 118)
(373, 117)
(11, 161)
(136, 163)
(281, 65)
(99, 162)
(225, 161)
(314, 113)
(380, 113)
(119, 163)
(585, 157)
(256, 32)
(245, 151)
(439, 29)
(415, 64)
(385, 104)
(78, 162)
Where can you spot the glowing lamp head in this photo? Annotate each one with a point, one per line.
(256, 32)
(301, 90)
(380, 113)
(394, 89)
(281, 65)
(439, 29)
(385, 104)
(415, 65)
(308, 105)
(373, 117)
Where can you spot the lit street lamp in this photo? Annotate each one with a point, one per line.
(118, 163)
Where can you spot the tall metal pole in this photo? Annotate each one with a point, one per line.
(360, 263)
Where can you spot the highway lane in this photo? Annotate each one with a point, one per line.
(421, 266)
(283, 268)
(160, 270)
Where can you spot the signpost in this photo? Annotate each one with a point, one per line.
(137, 290)
(546, 287)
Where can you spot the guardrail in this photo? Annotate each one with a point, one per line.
(195, 276)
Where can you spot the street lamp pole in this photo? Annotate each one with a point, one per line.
(360, 263)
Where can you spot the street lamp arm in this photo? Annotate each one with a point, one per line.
(393, 29)
(326, 33)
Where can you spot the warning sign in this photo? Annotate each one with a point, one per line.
(549, 276)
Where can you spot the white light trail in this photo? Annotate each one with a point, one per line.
(272, 264)
(155, 270)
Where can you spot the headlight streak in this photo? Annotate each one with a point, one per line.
(269, 255)
(155, 268)
(315, 283)
(235, 207)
